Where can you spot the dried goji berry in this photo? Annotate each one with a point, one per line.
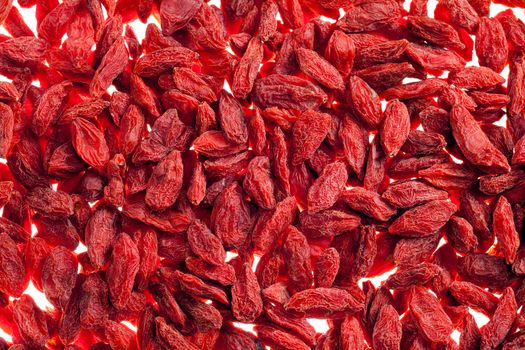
(246, 296)
(267, 231)
(13, 274)
(485, 270)
(297, 258)
(368, 203)
(395, 128)
(423, 220)
(496, 330)
(327, 268)
(59, 276)
(365, 102)
(247, 69)
(340, 52)
(30, 321)
(288, 92)
(369, 16)
(435, 31)
(90, 144)
(473, 296)
(387, 329)
(481, 152)
(461, 236)
(491, 44)
(327, 188)
(316, 67)
(383, 52)
(308, 133)
(475, 78)
(505, 230)
(323, 302)
(429, 316)
(122, 270)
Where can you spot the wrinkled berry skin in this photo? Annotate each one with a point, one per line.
(59, 276)
(13, 275)
(123, 268)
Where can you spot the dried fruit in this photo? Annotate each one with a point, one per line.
(205, 316)
(258, 183)
(174, 15)
(297, 258)
(253, 162)
(369, 16)
(160, 61)
(327, 223)
(323, 303)
(268, 230)
(122, 270)
(417, 89)
(480, 152)
(288, 92)
(327, 188)
(13, 275)
(49, 107)
(205, 244)
(119, 336)
(461, 235)
(491, 44)
(429, 316)
(354, 139)
(387, 329)
(433, 58)
(340, 52)
(246, 296)
(89, 143)
(505, 230)
(94, 302)
(319, 69)
(423, 220)
(459, 12)
(6, 129)
(475, 78)
(232, 119)
(308, 133)
(169, 337)
(351, 336)
(395, 128)
(365, 102)
(100, 233)
(327, 268)
(53, 204)
(247, 69)
(484, 270)
(298, 326)
(59, 276)
(280, 338)
(449, 176)
(473, 296)
(496, 330)
(435, 31)
(410, 193)
(423, 143)
(368, 203)
(165, 182)
(113, 63)
(195, 286)
(30, 322)
(230, 217)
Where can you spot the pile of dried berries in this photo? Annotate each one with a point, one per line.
(138, 151)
